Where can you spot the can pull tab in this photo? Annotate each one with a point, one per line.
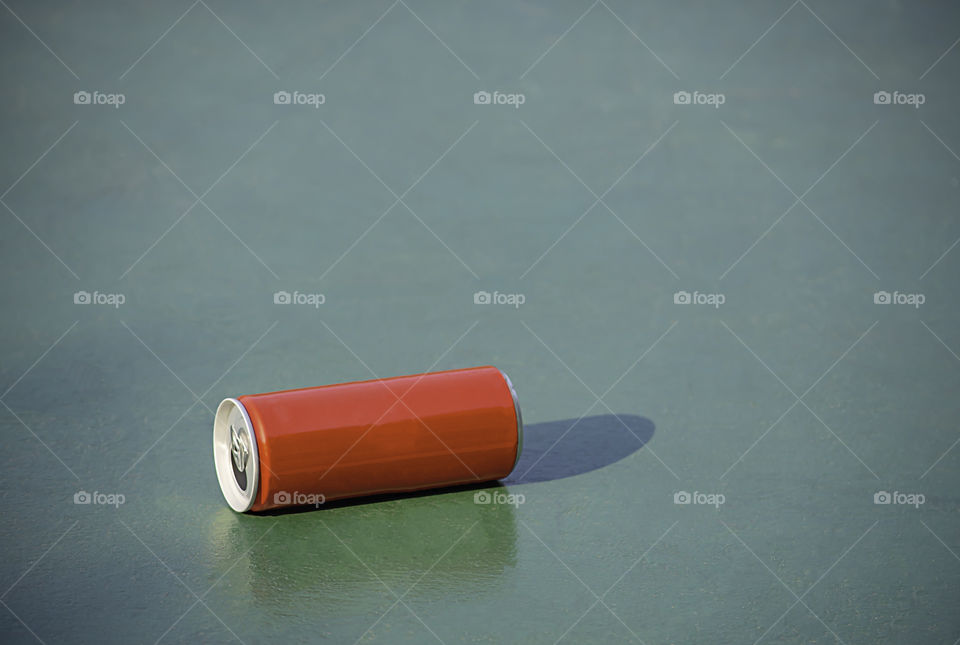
(239, 448)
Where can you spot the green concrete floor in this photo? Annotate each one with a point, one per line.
(797, 399)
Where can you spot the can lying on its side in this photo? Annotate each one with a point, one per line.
(391, 435)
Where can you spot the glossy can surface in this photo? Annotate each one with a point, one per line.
(398, 434)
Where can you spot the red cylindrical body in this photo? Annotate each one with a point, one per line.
(390, 435)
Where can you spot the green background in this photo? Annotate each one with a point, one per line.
(598, 199)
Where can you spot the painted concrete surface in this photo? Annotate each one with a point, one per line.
(717, 395)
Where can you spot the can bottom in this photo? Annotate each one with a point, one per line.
(516, 407)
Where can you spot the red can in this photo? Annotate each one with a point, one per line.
(400, 434)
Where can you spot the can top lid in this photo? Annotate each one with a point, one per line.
(235, 455)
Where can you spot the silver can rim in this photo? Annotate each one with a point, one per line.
(516, 407)
(239, 499)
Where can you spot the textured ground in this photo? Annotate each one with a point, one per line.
(600, 200)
